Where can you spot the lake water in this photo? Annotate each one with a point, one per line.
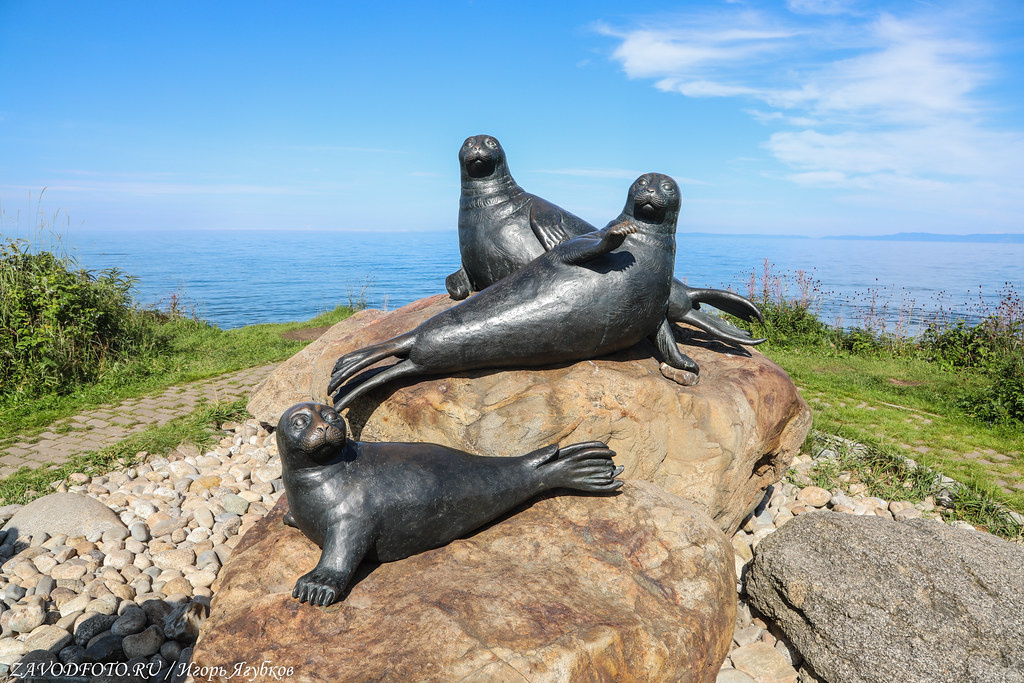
(236, 278)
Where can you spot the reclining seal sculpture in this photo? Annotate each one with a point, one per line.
(502, 228)
(387, 501)
(591, 295)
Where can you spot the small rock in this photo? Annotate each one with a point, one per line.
(105, 647)
(763, 662)
(132, 621)
(90, 625)
(51, 638)
(814, 496)
(175, 559)
(235, 504)
(25, 618)
(143, 644)
(72, 654)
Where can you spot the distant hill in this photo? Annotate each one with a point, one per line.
(998, 238)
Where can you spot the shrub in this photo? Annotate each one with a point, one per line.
(61, 325)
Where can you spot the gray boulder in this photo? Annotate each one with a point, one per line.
(71, 514)
(869, 599)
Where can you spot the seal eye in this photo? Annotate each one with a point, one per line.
(667, 186)
(642, 182)
(490, 143)
(300, 421)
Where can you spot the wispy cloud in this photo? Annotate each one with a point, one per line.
(877, 105)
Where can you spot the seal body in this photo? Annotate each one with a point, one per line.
(592, 295)
(496, 236)
(387, 501)
(502, 228)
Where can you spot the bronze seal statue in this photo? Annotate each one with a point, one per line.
(589, 296)
(502, 228)
(387, 501)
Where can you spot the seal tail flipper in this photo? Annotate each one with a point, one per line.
(351, 363)
(581, 466)
(400, 369)
(719, 328)
(683, 298)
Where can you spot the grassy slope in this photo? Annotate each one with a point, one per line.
(907, 403)
(195, 351)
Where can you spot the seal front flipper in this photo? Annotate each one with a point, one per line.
(290, 521)
(458, 285)
(552, 225)
(345, 546)
(678, 367)
(598, 243)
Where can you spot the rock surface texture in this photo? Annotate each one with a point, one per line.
(719, 444)
(635, 586)
(868, 599)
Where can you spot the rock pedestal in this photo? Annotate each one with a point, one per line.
(719, 444)
(633, 586)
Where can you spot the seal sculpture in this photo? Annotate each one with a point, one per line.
(387, 501)
(588, 296)
(502, 228)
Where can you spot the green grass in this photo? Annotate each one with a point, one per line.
(199, 428)
(191, 350)
(887, 474)
(909, 405)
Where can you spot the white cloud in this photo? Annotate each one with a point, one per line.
(884, 107)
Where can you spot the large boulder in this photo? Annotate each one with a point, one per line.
(71, 514)
(869, 599)
(637, 586)
(719, 444)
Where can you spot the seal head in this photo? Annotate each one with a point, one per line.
(654, 201)
(481, 156)
(310, 435)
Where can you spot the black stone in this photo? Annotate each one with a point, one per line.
(387, 501)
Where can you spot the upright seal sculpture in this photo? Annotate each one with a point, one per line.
(387, 501)
(591, 295)
(502, 228)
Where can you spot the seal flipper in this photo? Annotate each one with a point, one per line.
(582, 466)
(351, 363)
(593, 244)
(400, 369)
(677, 366)
(552, 225)
(719, 329)
(290, 521)
(458, 285)
(343, 550)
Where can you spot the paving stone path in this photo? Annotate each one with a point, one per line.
(106, 425)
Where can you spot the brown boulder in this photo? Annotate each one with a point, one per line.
(635, 586)
(719, 444)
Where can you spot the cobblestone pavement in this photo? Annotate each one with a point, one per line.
(106, 425)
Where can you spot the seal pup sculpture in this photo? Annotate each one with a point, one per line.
(589, 296)
(502, 228)
(387, 501)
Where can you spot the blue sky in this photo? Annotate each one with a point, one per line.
(812, 117)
